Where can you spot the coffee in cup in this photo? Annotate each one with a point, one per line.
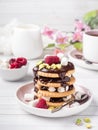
(90, 45)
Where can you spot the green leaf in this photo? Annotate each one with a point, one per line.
(63, 46)
(91, 19)
(94, 23)
(50, 45)
(78, 45)
(88, 16)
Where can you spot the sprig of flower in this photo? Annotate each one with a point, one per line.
(80, 26)
(62, 39)
(49, 32)
(77, 36)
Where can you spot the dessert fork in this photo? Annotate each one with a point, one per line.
(60, 107)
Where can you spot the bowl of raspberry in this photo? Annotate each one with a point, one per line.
(13, 69)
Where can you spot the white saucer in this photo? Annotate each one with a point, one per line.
(64, 112)
(77, 58)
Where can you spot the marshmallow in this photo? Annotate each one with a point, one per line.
(68, 97)
(64, 61)
(51, 89)
(32, 89)
(28, 96)
(67, 87)
(33, 103)
(60, 55)
(65, 99)
(78, 95)
(61, 89)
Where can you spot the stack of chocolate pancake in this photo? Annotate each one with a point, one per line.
(54, 82)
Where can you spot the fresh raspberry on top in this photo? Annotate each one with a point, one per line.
(42, 104)
(22, 60)
(52, 60)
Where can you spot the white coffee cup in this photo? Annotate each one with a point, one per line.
(27, 41)
(90, 45)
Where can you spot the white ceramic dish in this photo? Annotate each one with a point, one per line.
(13, 74)
(64, 112)
(77, 58)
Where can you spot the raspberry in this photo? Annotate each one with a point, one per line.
(22, 60)
(52, 60)
(12, 60)
(42, 104)
(15, 65)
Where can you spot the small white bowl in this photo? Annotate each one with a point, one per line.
(13, 74)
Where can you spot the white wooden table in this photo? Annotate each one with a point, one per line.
(12, 117)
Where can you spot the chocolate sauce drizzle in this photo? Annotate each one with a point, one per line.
(45, 80)
(61, 72)
(84, 98)
(62, 79)
(55, 100)
(63, 69)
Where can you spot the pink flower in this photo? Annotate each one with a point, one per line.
(61, 38)
(79, 25)
(87, 28)
(48, 32)
(77, 36)
(57, 50)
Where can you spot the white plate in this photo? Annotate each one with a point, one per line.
(77, 58)
(64, 112)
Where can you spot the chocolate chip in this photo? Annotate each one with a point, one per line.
(56, 100)
(35, 97)
(36, 89)
(44, 88)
